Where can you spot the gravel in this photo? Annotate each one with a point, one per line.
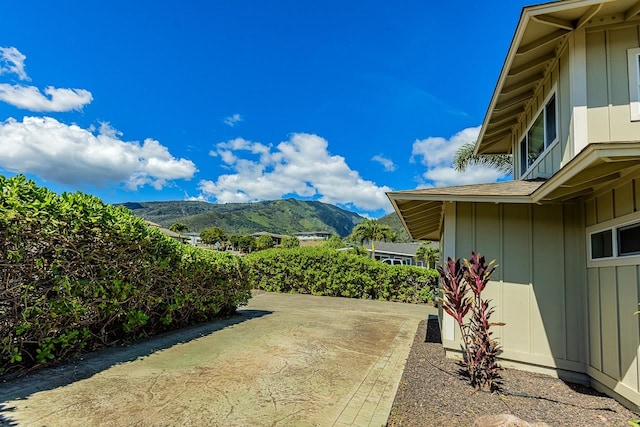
(433, 392)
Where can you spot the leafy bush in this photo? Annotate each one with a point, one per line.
(77, 275)
(480, 348)
(212, 235)
(334, 242)
(264, 241)
(325, 271)
(290, 242)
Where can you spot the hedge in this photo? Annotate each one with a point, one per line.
(77, 274)
(326, 271)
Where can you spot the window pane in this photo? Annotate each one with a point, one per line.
(638, 70)
(550, 121)
(602, 244)
(536, 140)
(629, 240)
(523, 156)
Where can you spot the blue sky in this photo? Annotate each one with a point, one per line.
(238, 100)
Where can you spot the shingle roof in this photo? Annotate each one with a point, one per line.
(495, 189)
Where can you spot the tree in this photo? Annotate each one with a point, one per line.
(429, 254)
(289, 242)
(212, 235)
(178, 227)
(464, 158)
(371, 230)
(334, 242)
(246, 243)
(264, 242)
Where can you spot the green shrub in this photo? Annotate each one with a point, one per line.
(325, 271)
(78, 274)
(290, 242)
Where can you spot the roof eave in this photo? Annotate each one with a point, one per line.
(526, 16)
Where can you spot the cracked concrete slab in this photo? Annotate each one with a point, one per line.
(285, 360)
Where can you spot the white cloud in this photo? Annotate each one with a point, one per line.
(232, 120)
(387, 164)
(437, 154)
(71, 155)
(12, 61)
(302, 165)
(58, 100)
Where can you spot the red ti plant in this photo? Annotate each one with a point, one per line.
(480, 350)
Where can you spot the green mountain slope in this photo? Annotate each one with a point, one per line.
(277, 216)
(393, 221)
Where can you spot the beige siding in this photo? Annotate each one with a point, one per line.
(627, 302)
(623, 199)
(575, 296)
(548, 270)
(597, 88)
(608, 83)
(613, 296)
(595, 334)
(533, 246)
(564, 109)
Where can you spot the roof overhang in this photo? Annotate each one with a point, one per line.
(540, 33)
(421, 211)
(597, 165)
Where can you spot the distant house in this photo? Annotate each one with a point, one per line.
(566, 231)
(277, 238)
(194, 238)
(176, 236)
(402, 251)
(313, 235)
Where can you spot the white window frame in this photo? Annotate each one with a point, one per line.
(613, 225)
(547, 145)
(633, 59)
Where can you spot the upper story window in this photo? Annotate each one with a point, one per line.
(634, 83)
(542, 133)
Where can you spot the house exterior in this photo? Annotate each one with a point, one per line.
(313, 235)
(406, 252)
(277, 238)
(566, 231)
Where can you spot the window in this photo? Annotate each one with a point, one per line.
(540, 136)
(602, 244)
(615, 242)
(634, 83)
(629, 240)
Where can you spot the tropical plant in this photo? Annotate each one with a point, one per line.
(371, 230)
(178, 227)
(480, 349)
(212, 235)
(245, 243)
(264, 241)
(334, 242)
(464, 158)
(429, 254)
(289, 242)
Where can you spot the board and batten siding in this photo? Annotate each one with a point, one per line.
(608, 114)
(556, 80)
(613, 296)
(539, 293)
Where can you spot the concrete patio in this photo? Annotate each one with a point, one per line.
(286, 360)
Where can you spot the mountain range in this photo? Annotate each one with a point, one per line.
(287, 216)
